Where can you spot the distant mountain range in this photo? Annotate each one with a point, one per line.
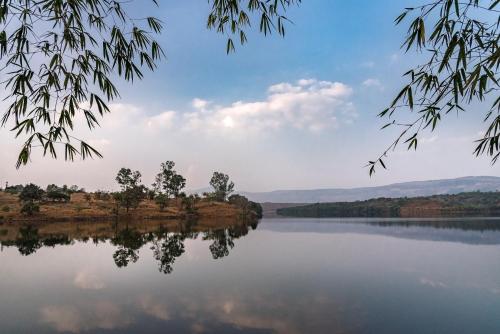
(406, 189)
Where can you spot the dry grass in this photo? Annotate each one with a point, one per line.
(79, 209)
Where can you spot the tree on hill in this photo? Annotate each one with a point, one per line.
(248, 207)
(132, 192)
(56, 194)
(222, 186)
(30, 197)
(168, 183)
(15, 189)
(31, 192)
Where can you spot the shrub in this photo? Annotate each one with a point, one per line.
(162, 201)
(98, 195)
(57, 195)
(5, 208)
(31, 192)
(88, 197)
(29, 208)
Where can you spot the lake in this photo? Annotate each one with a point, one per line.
(278, 276)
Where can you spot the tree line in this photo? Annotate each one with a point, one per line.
(485, 204)
(168, 186)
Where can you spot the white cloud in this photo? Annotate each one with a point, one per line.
(308, 104)
(62, 319)
(199, 103)
(154, 308)
(88, 281)
(429, 140)
(164, 120)
(99, 142)
(68, 318)
(373, 83)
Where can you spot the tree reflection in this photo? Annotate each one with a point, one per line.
(129, 242)
(167, 245)
(224, 239)
(28, 241)
(167, 249)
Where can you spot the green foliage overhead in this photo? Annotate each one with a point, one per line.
(57, 60)
(233, 17)
(459, 41)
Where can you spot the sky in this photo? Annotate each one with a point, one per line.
(298, 112)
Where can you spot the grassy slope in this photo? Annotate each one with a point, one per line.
(79, 209)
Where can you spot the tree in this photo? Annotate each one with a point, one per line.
(247, 206)
(55, 193)
(58, 195)
(461, 65)
(222, 186)
(128, 179)
(75, 189)
(132, 192)
(58, 55)
(31, 193)
(168, 182)
(30, 196)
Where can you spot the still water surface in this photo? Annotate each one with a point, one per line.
(281, 276)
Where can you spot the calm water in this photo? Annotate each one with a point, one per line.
(281, 276)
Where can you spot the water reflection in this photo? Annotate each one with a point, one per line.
(165, 239)
(477, 231)
(287, 277)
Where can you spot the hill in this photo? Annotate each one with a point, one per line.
(78, 208)
(406, 189)
(473, 204)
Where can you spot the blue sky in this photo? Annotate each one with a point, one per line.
(298, 112)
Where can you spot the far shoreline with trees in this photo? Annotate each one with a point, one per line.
(468, 204)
